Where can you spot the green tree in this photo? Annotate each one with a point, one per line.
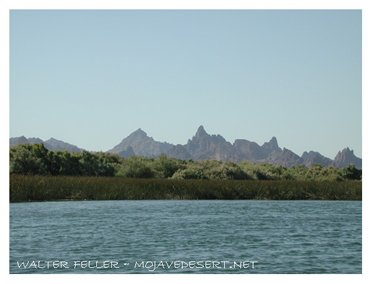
(166, 167)
(25, 159)
(136, 167)
(351, 172)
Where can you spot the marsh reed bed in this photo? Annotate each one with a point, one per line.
(24, 188)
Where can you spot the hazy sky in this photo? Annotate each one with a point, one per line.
(91, 78)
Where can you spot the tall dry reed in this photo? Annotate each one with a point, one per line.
(45, 188)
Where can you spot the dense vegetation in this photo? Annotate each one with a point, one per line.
(37, 174)
(26, 159)
(46, 188)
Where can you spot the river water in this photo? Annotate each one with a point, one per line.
(191, 236)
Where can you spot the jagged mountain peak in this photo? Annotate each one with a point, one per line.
(201, 132)
(345, 158)
(139, 132)
(274, 141)
(272, 145)
(308, 155)
(347, 151)
(137, 135)
(201, 128)
(140, 144)
(51, 139)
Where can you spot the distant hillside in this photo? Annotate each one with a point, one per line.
(315, 158)
(51, 144)
(204, 146)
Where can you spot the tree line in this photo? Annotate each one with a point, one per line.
(35, 159)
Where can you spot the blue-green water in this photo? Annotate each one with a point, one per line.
(170, 236)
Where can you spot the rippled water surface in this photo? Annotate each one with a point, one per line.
(171, 236)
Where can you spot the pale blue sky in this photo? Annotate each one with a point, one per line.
(91, 78)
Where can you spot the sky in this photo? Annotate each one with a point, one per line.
(92, 77)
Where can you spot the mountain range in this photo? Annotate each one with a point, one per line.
(204, 146)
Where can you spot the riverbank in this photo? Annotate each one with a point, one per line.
(51, 188)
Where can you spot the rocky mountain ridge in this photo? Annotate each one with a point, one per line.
(204, 146)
